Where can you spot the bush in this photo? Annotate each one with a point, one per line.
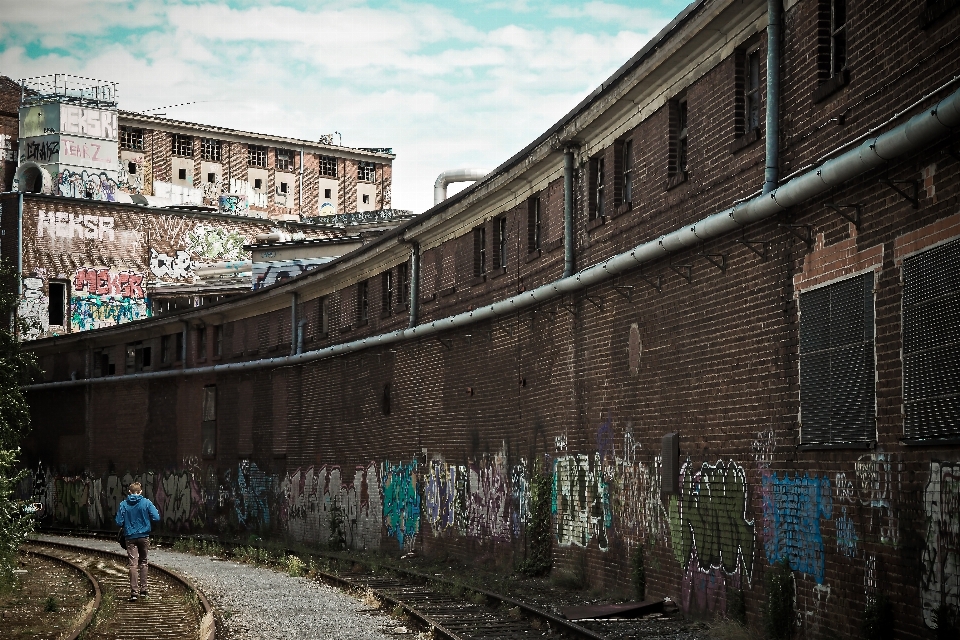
(779, 615)
(737, 607)
(539, 528)
(877, 621)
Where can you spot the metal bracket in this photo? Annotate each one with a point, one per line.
(762, 252)
(852, 219)
(625, 290)
(806, 235)
(447, 343)
(569, 307)
(688, 276)
(658, 285)
(597, 303)
(914, 199)
(719, 260)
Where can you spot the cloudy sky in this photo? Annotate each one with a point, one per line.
(461, 83)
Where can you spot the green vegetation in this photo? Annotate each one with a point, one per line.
(539, 527)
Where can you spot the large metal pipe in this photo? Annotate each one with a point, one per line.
(454, 175)
(771, 172)
(414, 283)
(568, 257)
(921, 130)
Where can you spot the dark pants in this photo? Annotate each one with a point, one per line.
(137, 554)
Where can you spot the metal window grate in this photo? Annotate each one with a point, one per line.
(931, 343)
(182, 146)
(837, 388)
(366, 172)
(328, 166)
(211, 150)
(257, 156)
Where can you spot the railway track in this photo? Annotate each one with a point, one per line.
(447, 609)
(175, 610)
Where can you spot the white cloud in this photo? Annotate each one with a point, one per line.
(443, 93)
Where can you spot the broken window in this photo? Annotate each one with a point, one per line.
(212, 178)
(131, 138)
(328, 166)
(283, 187)
(597, 179)
(366, 198)
(284, 160)
(182, 145)
(131, 168)
(211, 150)
(257, 156)
(139, 357)
(257, 183)
(208, 431)
(366, 172)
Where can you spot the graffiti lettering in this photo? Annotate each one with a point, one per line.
(940, 569)
(178, 266)
(68, 225)
(93, 186)
(580, 501)
(104, 282)
(792, 510)
(95, 312)
(40, 151)
(401, 502)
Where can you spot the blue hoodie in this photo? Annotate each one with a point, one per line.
(135, 514)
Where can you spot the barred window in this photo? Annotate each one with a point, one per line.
(366, 172)
(284, 159)
(837, 370)
(211, 150)
(257, 156)
(931, 343)
(182, 145)
(131, 138)
(328, 166)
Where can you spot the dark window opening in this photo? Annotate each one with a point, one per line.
(202, 343)
(218, 340)
(626, 171)
(386, 293)
(182, 174)
(324, 316)
(165, 355)
(403, 283)
(138, 358)
(102, 360)
(366, 198)
(362, 311)
(500, 247)
(832, 39)
(931, 343)
(258, 183)
(212, 178)
(597, 179)
(534, 225)
(131, 168)
(131, 138)
(58, 303)
(752, 91)
(837, 370)
(327, 194)
(678, 137)
(179, 354)
(479, 251)
(208, 430)
(284, 160)
(211, 150)
(182, 146)
(283, 187)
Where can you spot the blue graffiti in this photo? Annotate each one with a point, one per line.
(253, 488)
(792, 510)
(846, 535)
(401, 501)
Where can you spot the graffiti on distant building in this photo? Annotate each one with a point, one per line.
(178, 267)
(61, 224)
(90, 185)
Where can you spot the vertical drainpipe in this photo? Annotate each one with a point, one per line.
(300, 197)
(414, 283)
(294, 328)
(568, 265)
(13, 312)
(183, 347)
(771, 173)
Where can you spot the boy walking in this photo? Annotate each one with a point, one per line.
(134, 515)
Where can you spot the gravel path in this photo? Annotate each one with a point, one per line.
(263, 604)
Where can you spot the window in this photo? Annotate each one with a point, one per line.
(623, 173)
(837, 60)
(479, 251)
(132, 168)
(752, 92)
(366, 172)
(362, 310)
(534, 225)
(57, 307)
(327, 194)
(182, 174)
(138, 358)
(283, 187)
(324, 316)
(597, 178)
(284, 159)
(182, 146)
(218, 340)
(500, 244)
(165, 355)
(202, 343)
(403, 283)
(386, 291)
(328, 166)
(131, 138)
(385, 400)
(366, 198)
(678, 137)
(212, 178)
(101, 359)
(208, 430)
(180, 349)
(257, 156)
(257, 183)
(211, 150)
(931, 343)
(837, 390)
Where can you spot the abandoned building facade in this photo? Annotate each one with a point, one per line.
(716, 303)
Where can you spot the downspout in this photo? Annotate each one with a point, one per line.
(568, 261)
(294, 328)
(13, 312)
(300, 196)
(183, 347)
(925, 128)
(771, 172)
(414, 283)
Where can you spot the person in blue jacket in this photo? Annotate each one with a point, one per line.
(135, 515)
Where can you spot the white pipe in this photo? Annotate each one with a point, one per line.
(454, 175)
(921, 130)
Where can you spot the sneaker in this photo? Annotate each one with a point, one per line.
(133, 598)
(143, 594)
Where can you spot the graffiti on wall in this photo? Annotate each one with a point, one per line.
(580, 501)
(312, 496)
(43, 151)
(104, 297)
(792, 511)
(265, 274)
(139, 179)
(206, 243)
(710, 534)
(60, 224)
(401, 501)
(90, 185)
(234, 203)
(178, 266)
(108, 282)
(878, 483)
(34, 309)
(940, 564)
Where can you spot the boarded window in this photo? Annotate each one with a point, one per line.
(931, 343)
(837, 388)
(208, 433)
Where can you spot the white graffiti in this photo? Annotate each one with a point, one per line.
(940, 562)
(177, 266)
(33, 309)
(878, 481)
(208, 244)
(60, 224)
